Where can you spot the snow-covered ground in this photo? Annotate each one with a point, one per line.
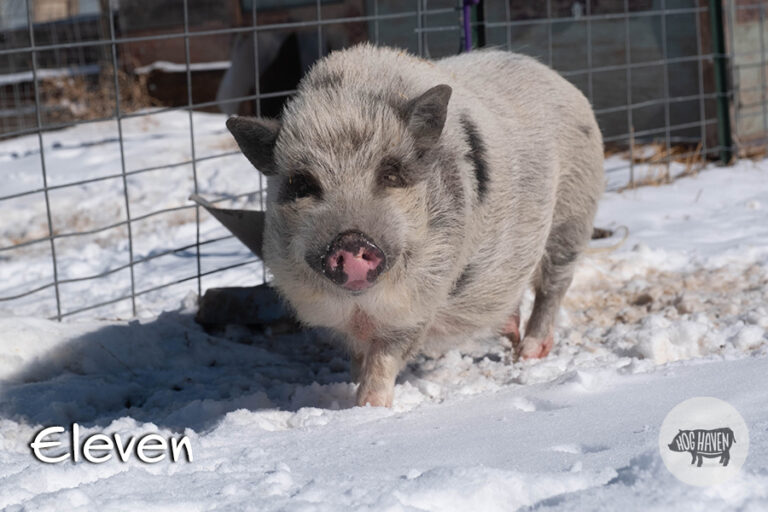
(679, 310)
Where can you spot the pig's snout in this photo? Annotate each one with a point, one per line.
(353, 261)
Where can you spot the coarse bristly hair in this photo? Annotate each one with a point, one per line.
(477, 175)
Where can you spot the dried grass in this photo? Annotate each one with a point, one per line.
(81, 98)
(657, 158)
(606, 298)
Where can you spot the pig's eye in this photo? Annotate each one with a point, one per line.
(391, 174)
(300, 185)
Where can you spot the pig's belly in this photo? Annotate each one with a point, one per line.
(459, 320)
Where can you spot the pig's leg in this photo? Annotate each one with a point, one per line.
(512, 328)
(552, 281)
(377, 378)
(355, 366)
(381, 363)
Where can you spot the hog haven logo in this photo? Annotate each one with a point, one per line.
(704, 441)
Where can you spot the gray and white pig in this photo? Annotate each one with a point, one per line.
(411, 199)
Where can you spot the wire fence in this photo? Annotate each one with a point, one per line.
(111, 117)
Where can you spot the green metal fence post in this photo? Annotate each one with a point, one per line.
(478, 21)
(721, 81)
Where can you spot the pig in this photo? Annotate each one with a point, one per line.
(410, 200)
(702, 443)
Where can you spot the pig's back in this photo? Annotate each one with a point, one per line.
(528, 98)
(542, 143)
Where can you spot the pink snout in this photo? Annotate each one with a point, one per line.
(353, 261)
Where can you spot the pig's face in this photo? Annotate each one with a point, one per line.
(346, 186)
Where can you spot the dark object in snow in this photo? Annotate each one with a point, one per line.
(257, 306)
(600, 233)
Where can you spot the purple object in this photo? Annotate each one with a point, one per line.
(468, 24)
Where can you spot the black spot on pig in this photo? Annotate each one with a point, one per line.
(476, 155)
(586, 130)
(462, 281)
(329, 79)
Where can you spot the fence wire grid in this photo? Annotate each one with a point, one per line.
(112, 113)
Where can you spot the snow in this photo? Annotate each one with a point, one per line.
(174, 67)
(48, 73)
(679, 310)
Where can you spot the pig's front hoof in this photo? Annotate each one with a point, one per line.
(375, 399)
(535, 348)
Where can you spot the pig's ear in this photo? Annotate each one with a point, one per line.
(256, 138)
(426, 114)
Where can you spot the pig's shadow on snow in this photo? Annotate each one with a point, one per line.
(172, 373)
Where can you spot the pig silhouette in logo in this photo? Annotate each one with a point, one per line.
(702, 443)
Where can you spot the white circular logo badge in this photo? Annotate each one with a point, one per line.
(704, 441)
